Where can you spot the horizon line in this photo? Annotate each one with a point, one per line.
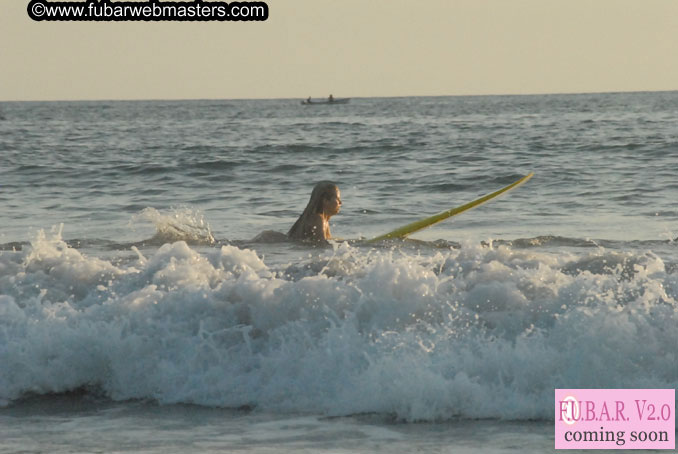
(564, 93)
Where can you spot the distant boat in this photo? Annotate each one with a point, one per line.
(326, 101)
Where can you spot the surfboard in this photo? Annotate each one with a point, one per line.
(408, 229)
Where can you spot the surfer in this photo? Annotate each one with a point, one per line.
(330, 98)
(313, 224)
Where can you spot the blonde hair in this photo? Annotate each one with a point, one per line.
(322, 191)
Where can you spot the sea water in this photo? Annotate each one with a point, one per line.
(139, 313)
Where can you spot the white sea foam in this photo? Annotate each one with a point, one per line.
(473, 332)
(177, 224)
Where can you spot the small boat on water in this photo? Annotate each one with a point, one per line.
(326, 101)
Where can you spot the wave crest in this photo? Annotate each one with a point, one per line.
(473, 332)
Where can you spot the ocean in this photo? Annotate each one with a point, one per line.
(140, 313)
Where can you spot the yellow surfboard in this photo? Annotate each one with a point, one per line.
(408, 229)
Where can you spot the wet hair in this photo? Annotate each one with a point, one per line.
(322, 191)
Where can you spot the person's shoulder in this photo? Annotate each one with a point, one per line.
(315, 224)
(312, 231)
(312, 228)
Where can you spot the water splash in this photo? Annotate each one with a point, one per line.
(473, 332)
(177, 224)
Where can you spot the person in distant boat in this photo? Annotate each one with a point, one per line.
(308, 100)
(313, 224)
(331, 98)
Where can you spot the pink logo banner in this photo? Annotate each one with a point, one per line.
(615, 418)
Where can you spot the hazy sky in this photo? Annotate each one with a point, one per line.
(349, 48)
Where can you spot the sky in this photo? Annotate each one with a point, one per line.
(355, 48)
